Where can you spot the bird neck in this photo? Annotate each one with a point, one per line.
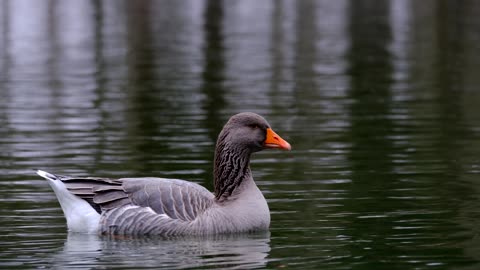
(231, 169)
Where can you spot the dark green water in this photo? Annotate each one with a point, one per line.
(379, 99)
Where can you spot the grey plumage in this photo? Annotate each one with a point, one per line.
(140, 201)
(160, 206)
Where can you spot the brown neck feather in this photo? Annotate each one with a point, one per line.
(230, 169)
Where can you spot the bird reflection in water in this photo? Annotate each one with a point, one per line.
(88, 250)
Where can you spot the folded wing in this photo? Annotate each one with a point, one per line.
(177, 199)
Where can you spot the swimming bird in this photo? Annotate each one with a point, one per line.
(167, 207)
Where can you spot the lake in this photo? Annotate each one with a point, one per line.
(380, 101)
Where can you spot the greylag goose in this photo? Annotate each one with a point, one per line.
(161, 206)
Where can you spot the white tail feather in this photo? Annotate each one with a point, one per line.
(81, 217)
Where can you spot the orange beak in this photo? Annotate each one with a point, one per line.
(275, 141)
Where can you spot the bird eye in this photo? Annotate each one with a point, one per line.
(254, 126)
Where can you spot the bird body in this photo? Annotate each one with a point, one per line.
(161, 206)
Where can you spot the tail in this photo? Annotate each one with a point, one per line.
(80, 215)
(47, 175)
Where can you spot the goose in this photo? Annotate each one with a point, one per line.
(170, 207)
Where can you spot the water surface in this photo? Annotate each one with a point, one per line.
(379, 100)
